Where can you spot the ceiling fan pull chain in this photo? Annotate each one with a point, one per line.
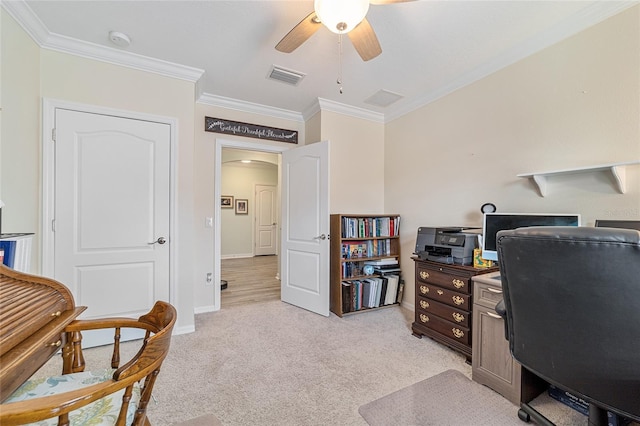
(339, 80)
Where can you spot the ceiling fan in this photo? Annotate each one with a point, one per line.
(341, 17)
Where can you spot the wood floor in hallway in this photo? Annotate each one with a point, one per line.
(249, 280)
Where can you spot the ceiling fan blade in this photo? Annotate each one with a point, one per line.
(388, 1)
(365, 41)
(299, 34)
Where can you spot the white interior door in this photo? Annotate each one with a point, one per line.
(305, 227)
(266, 220)
(112, 204)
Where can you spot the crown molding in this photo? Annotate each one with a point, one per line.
(332, 106)
(29, 21)
(311, 110)
(243, 106)
(592, 15)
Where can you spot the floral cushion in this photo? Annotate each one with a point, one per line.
(103, 412)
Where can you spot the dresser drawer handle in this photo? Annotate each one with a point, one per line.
(424, 275)
(440, 292)
(55, 344)
(494, 290)
(492, 315)
(457, 283)
(457, 333)
(424, 318)
(424, 304)
(56, 314)
(424, 289)
(457, 317)
(457, 300)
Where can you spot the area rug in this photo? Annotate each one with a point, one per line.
(448, 398)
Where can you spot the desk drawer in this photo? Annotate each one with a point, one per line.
(487, 295)
(447, 312)
(444, 279)
(451, 298)
(446, 328)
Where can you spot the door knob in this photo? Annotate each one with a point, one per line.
(160, 240)
(320, 237)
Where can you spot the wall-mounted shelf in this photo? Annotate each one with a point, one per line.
(617, 171)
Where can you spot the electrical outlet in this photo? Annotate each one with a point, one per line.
(208, 222)
(209, 278)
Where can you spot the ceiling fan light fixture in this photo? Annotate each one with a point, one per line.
(341, 16)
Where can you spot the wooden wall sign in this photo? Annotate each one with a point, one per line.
(227, 127)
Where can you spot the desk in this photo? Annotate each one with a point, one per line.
(35, 312)
(492, 364)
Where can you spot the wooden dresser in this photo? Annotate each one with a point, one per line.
(444, 303)
(33, 314)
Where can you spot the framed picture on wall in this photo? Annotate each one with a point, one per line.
(226, 201)
(242, 206)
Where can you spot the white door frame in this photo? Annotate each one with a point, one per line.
(237, 144)
(49, 107)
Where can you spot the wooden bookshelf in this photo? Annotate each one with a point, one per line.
(356, 240)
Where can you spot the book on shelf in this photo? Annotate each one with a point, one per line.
(400, 291)
(386, 270)
(370, 227)
(382, 262)
(364, 249)
(383, 292)
(9, 252)
(392, 289)
(346, 289)
(368, 293)
(376, 300)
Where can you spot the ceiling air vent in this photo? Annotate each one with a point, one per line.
(286, 76)
(383, 98)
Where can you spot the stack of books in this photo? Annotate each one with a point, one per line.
(384, 266)
(370, 292)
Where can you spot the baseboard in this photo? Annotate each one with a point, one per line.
(204, 309)
(184, 329)
(236, 256)
(409, 306)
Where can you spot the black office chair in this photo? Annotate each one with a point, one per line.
(572, 307)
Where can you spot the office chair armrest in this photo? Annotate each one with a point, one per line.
(502, 311)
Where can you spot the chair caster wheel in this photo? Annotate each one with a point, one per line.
(524, 416)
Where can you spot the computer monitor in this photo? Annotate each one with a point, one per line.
(625, 224)
(494, 222)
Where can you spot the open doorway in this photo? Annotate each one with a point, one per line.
(248, 237)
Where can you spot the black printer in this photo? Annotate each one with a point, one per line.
(452, 245)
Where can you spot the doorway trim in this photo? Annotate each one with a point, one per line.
(238, 144)
(49, 107)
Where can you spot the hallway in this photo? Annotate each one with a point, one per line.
(249, 280)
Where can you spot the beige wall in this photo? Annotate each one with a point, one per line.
(20, 134)
(571, 105)
(356, 165)
(313, 128)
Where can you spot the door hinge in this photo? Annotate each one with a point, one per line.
(53, 225)
(53, 134)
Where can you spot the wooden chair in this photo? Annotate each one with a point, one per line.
(117, 396)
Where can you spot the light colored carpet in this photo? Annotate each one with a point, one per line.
(206, 420)
(450, 398)
(275, 364)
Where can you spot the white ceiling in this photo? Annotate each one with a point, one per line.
(429, 48)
